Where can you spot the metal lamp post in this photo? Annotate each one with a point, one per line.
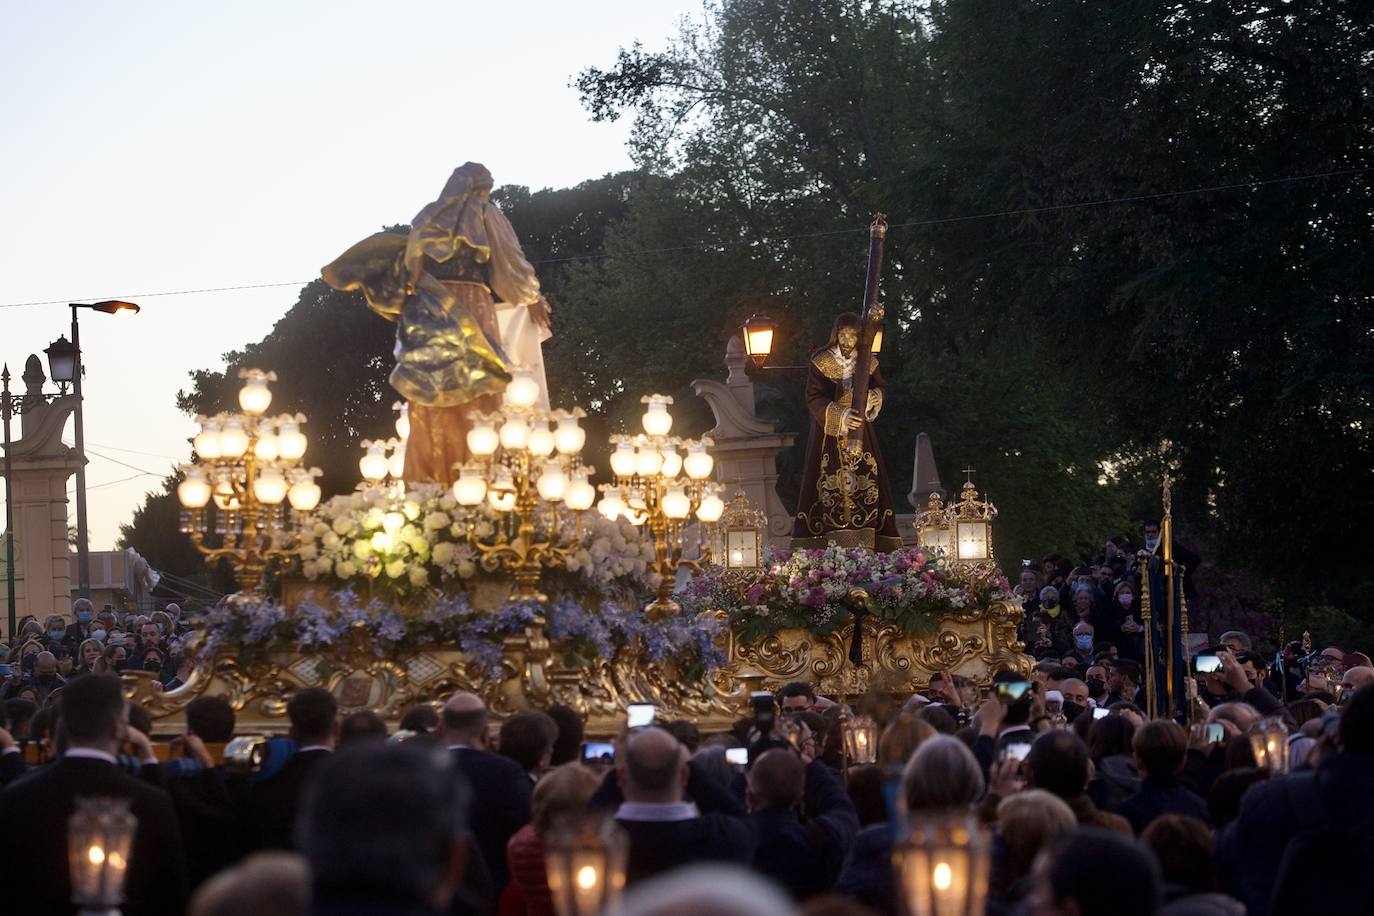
(83, 553)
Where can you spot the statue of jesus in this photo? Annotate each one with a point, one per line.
(467, 308)
(845, 497)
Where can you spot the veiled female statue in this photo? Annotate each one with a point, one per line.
(845, 497)
(467, 308)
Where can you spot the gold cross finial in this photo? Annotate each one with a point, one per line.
(968, 475)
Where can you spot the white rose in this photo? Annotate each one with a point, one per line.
(419, 576)
(484, 529)
(444, 553)
(308, 551)
(467, 569)
(342, 525)
(396, 569)
(447, 502)
(362, 549)
(324, 566)
(437, 520)
(309, 570)
(331, 540)
(373, 518)
(346, 570)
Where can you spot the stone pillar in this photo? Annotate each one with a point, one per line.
(41, 465)
(746, 447)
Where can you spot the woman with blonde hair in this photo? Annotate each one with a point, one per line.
(563, 791)
(90, 658)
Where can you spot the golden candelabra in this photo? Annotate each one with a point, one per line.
(650, 489)
(533, 477)
(251, 467)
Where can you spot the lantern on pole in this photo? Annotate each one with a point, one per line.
(942, 866)
(860, 740)
(1269, 743)
(742, 527)
(758, 338)
(585, 859)
(99, 835)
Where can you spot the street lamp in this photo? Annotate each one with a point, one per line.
(109, 307)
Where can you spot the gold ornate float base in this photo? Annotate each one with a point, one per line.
(973, 644)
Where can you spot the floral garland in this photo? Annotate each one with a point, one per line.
(810, 589)
(255, 629)
(400, 545)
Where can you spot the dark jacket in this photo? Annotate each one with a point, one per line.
(1088, 815)
(1250, 849)
(35, 810)
(272, 805)
(722, 833)
(12, 766)
(501, 805)
(206, 809)
(805, 856)
(1161, 795)
(867, 872)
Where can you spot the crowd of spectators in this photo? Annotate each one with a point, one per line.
(1091, 806)
(45, 656)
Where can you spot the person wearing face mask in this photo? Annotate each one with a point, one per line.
(55, 632)
(45, 678)
(116, 658)
(1129, 640)
(1096, 680)
(83, 627)
(153, 662)
(1084, 641)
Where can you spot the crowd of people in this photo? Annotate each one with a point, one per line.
(1091, 806)
(45, 655)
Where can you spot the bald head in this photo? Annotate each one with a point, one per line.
(1355, 678)
(654, 767)
(45, 664)
(464, 720)
(1074, 690)
(777, 780)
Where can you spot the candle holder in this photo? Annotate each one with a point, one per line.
(860, 740)
(99, 835)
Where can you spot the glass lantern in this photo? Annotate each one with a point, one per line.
(585, 859)
(942, 866)
(99, 835)
(1269, 743)
(972, 540)
(758, 338)
(860, 740)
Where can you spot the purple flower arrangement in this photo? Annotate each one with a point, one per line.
(810, 589)
(258, 628)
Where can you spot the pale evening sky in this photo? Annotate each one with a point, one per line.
(161, 146)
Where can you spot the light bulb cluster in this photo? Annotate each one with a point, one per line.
(661, 481)
(525, 464)
(252, 467)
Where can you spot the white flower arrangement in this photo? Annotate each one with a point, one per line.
(405, 542)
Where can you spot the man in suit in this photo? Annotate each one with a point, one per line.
(665, 830)
(1059, 763)
(36, 809)
(273, 803)
(1161, 746)
(501, 790)
(803, 856)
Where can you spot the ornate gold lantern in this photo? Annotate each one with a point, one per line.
(942, 866)
(742, 528)
(970, 528)
(585, 864)
(932, 525)
(99, 835)
(1269, 742)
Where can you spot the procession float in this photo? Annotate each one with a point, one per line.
(479, 552)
